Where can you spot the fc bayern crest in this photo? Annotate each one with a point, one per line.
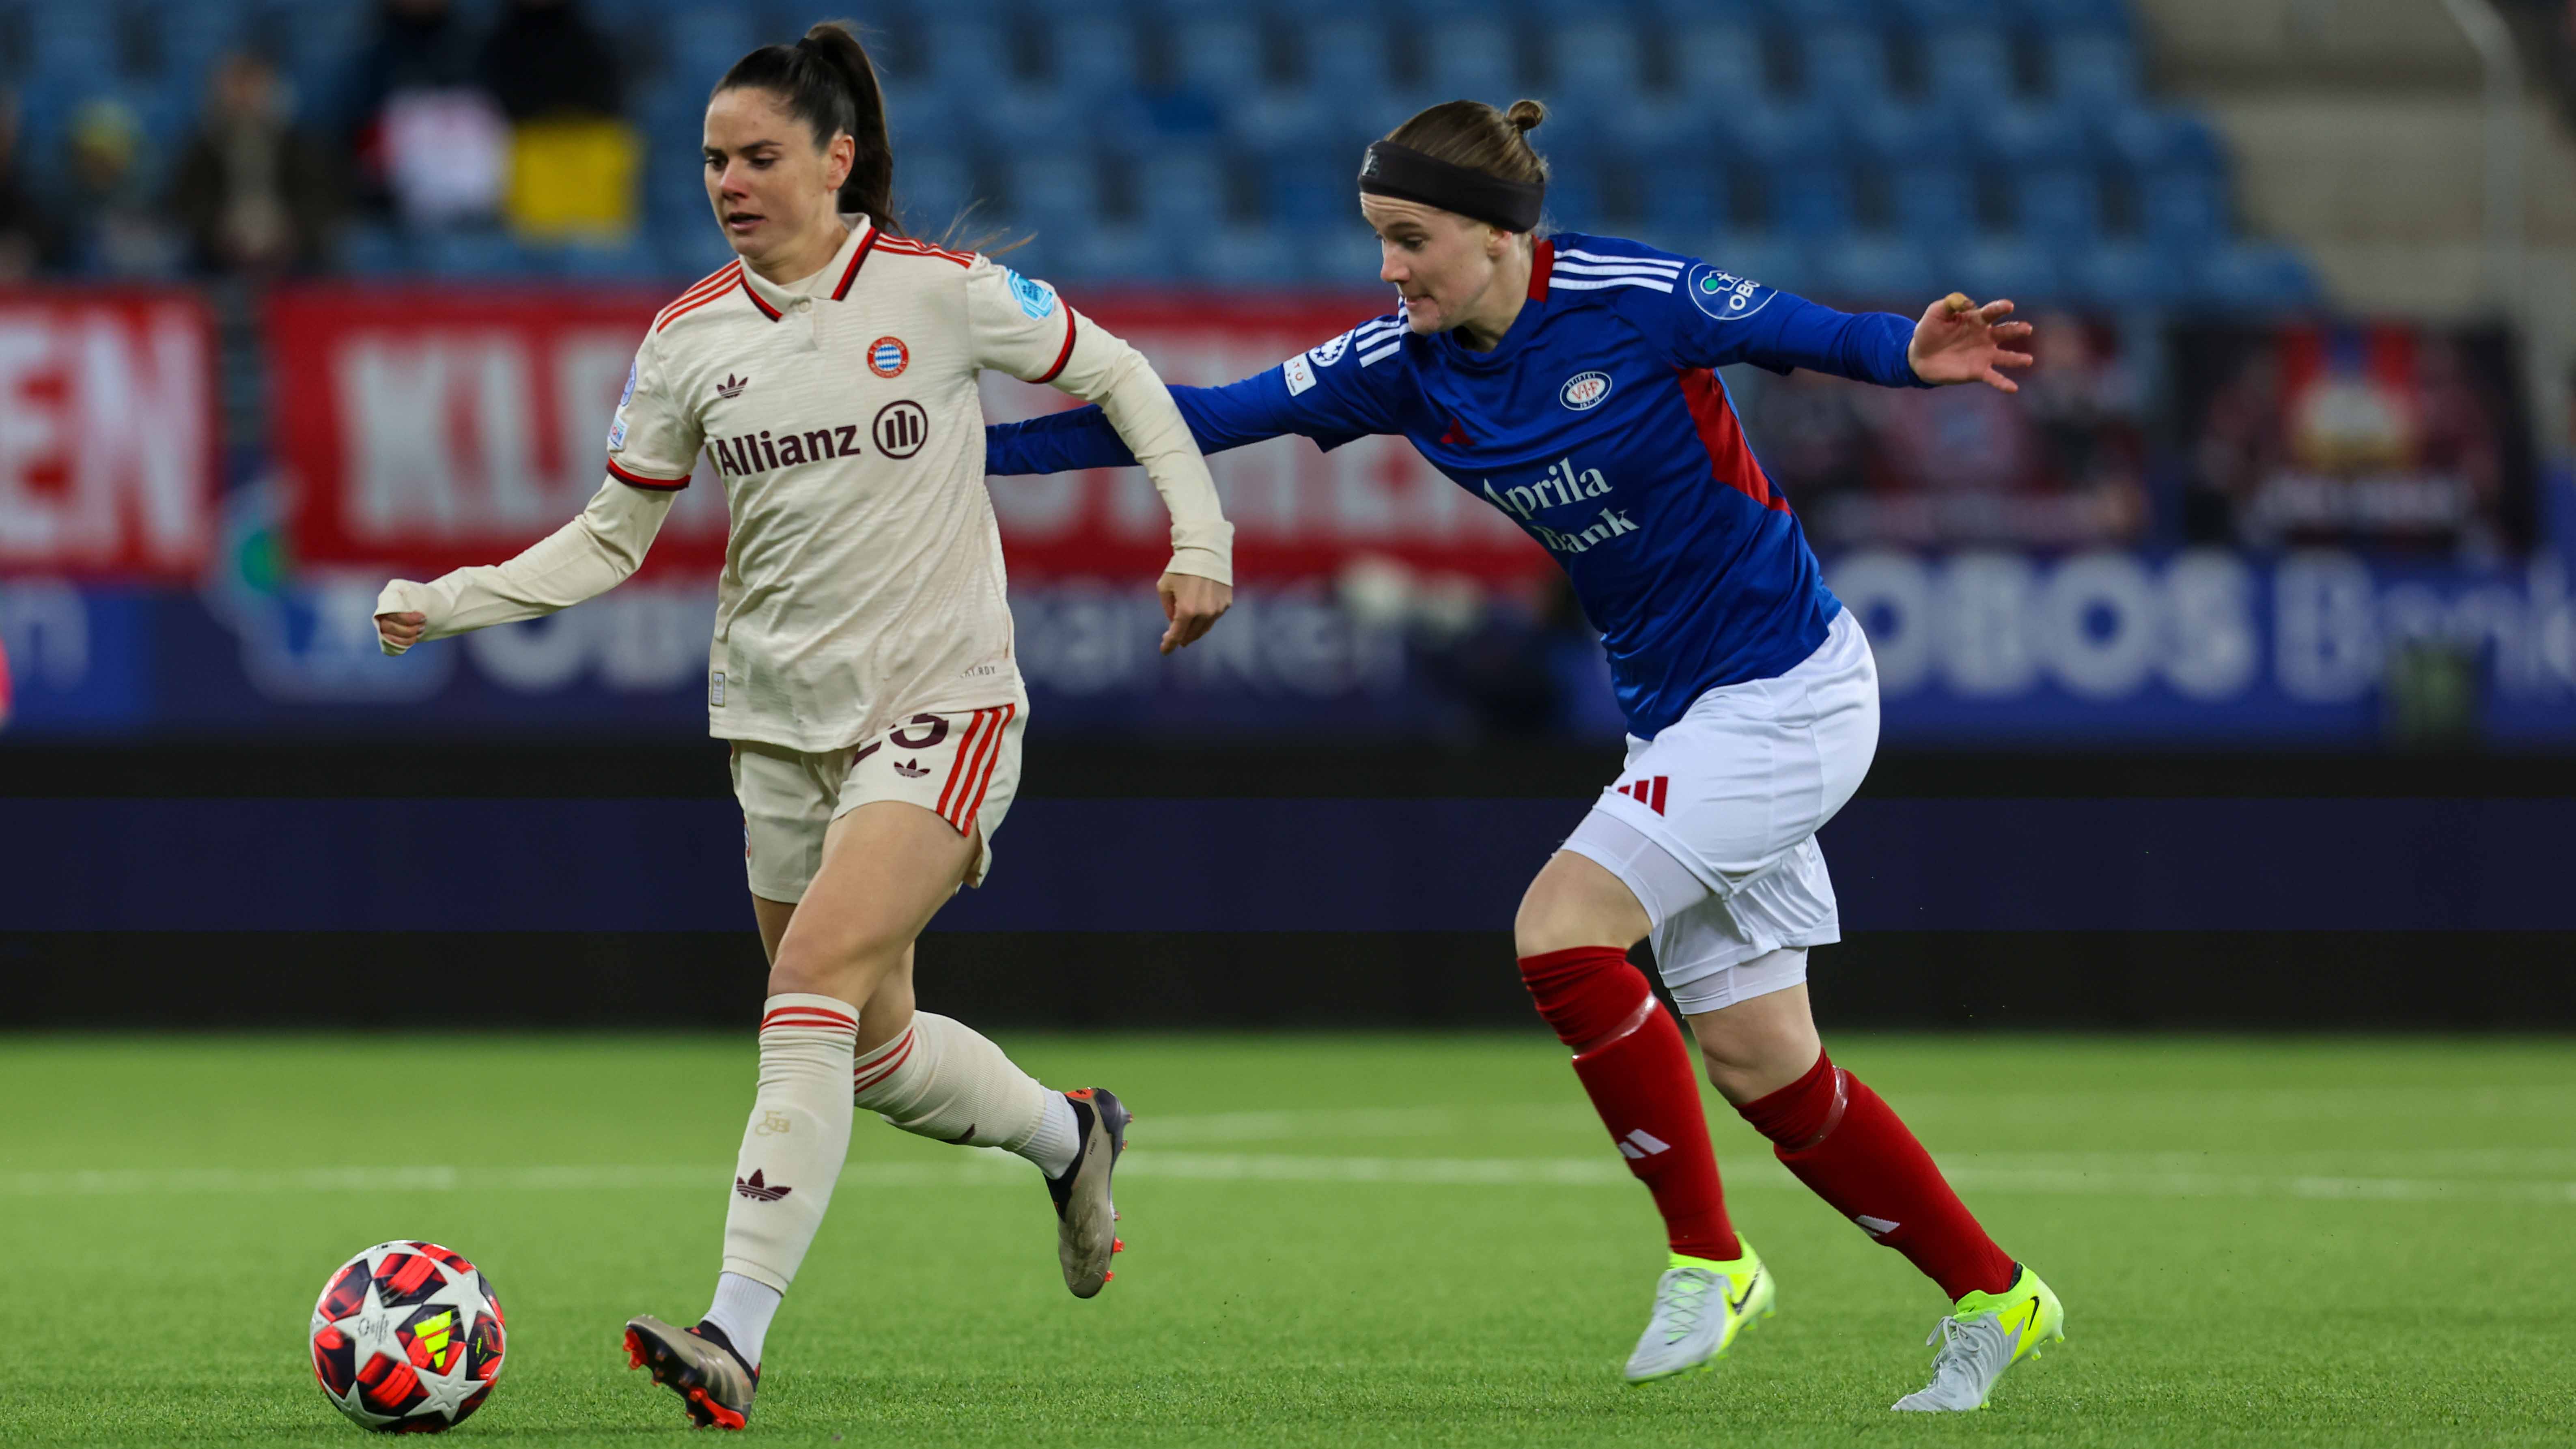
(1584, 390)
(887, 356)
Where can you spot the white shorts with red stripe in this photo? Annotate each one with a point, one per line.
(962, 766)
(1712, 823)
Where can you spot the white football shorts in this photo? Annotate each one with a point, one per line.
(963, 766)
(1712, 823)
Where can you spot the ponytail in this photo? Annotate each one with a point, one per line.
(826, 81)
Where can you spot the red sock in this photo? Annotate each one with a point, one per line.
(1628, 1052)
(1850, 1148)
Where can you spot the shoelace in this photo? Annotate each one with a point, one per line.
(1961, 1346)
(1685, 1297)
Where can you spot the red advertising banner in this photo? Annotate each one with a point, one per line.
(107, 434)
(430, 429)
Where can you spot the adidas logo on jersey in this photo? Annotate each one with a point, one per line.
(732, 386)
(912, 769)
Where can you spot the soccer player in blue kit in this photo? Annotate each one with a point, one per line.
(1569, 381)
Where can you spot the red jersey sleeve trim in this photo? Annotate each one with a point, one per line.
(658, 485)
(696, 297)
(1542, 262)
(857, 259)
(1065, 356)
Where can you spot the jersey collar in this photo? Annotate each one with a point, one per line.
(833, 281)
(1542, 263)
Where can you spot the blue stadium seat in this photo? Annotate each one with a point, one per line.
(1684, 199)
(1094, 58)
(2058, 206)
(1340, 254)
(2096, 71)
(2257, 277)
(1970, 66)
(1888, 270)
(2067, 17)
(1307, 188)
(478, 256)
(1802, 16)
(629, 260)
(1246, 256)
(1847, 65)
(932, 187)
(2120, 275)
(370, 250)
(1934, 15)
(1052, 192)
(1899, 134)
(1595, 61)
(704, 41)
(1472, 59)
(2026, 133)
(968, 60)
(1989, 267)
(1346, 66)
(2150, 136)
(1181, 191)
(1785, 133)
(1936, 205)
(1718, 64)
(1810, 203)
(1219, 57)
(2185, 207)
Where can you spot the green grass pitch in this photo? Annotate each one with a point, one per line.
(1333, 1241)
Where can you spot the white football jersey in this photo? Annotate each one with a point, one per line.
(863, 578)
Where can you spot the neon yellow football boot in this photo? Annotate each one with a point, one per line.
(1984, 1335)
(1699, 1308)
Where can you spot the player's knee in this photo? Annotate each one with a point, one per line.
(1755, 1048)
(1566, 907)
(848, 963)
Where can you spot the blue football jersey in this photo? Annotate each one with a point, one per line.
(1599, 424)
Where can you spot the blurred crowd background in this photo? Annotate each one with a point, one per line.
(312, 291)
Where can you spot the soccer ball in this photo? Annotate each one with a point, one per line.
(407, 1338)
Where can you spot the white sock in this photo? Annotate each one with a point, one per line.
(743, 1309)
(798, 1136)
(1059, 1137)
(941, 1079)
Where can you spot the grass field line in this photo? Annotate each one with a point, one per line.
(2085, 1175)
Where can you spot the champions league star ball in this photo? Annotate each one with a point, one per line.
(407, 1338)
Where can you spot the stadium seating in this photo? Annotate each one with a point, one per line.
(1880, 145)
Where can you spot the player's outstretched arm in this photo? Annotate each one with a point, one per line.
(1198, 586)
(1959, 341)
(585, 558)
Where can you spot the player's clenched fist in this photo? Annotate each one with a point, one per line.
(1193, 605)
(401, 629)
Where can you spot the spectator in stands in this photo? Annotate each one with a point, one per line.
(573, 159)
(426, 136)
(112, 222)
(255, 193)
(24, 242)
(545, 60)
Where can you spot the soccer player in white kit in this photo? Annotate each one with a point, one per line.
(862, 663)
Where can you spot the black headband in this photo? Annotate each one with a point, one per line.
(1400, 171)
